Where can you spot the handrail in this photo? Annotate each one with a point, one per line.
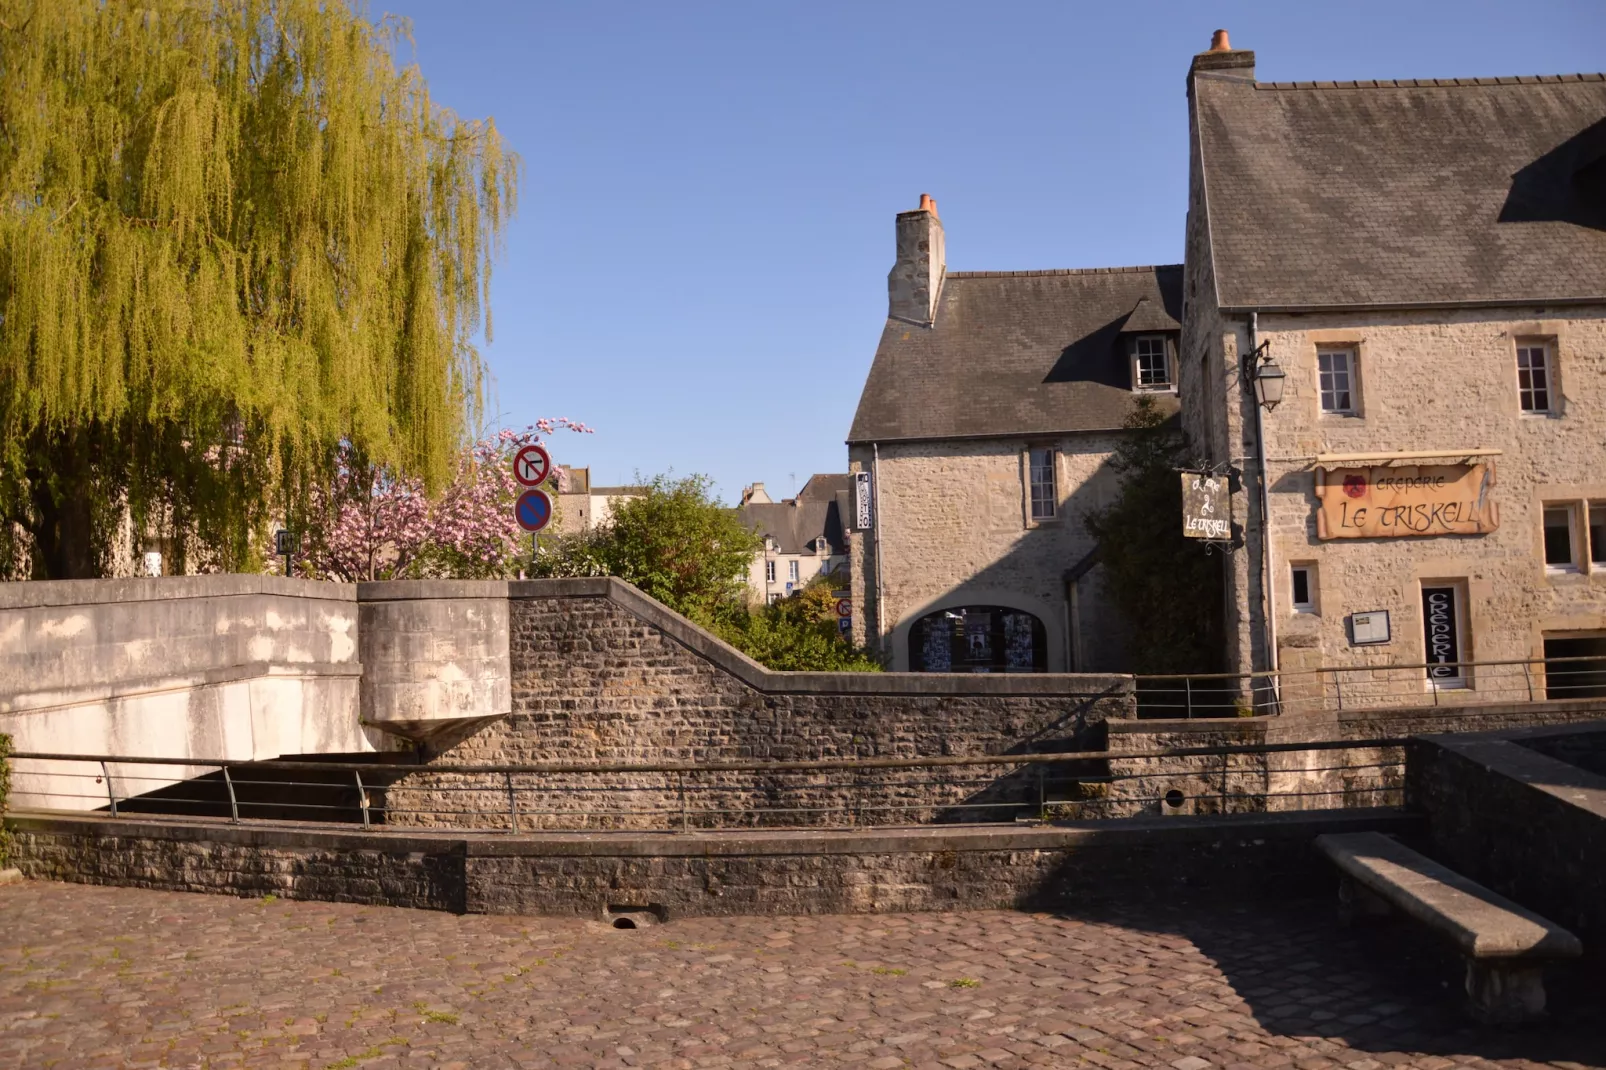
(1365, 667)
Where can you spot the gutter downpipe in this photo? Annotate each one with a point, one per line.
(875, 526)
(1267, 583)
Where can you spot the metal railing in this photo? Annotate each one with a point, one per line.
(1372, 686)
(686, 796)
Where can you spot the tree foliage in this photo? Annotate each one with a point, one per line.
(797, 633)
(374, 524)
(234, 235)
(687, 550)
(1164, 585)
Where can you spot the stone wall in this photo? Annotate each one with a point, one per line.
(1527, 825)
(603, 674)
(816, 872)
(955, 529)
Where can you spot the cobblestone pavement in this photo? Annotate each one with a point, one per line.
(114, 977)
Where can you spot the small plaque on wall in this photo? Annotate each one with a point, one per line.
(1370, 627)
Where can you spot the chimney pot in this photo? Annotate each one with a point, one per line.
(928, 203)
(1219, 42)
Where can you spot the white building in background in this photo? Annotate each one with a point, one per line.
(803, 536)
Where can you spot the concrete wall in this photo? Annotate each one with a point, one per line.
(602, 673)
(236, 667)
(817, 872)
(434, 655)
(954, 528)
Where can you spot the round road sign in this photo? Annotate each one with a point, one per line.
(531, 465)
(534, 510)
(844, 607)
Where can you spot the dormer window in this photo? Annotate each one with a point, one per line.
(1151, 363)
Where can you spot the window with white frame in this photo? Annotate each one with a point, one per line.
(1151, 362)
(791, 571)
(1561, 545)
(769, 571)
(1534, 377)
(1040, 466)
(1335, 372)
(1302, 588)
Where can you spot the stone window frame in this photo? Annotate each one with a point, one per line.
(1586, 535)
(1465, 631)
(1312, 604)
(1550, 347)
(1028, 484)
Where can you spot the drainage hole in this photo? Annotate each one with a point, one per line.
(623, 923)
(1174, 798)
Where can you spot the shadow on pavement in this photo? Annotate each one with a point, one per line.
(1382, 987)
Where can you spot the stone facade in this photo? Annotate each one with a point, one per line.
(602, 674)
(1432, 386)
(954, 528)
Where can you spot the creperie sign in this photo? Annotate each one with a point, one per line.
(1370, 503)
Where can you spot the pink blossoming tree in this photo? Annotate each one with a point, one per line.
(372, 524)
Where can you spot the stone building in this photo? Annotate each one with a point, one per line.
(987, 424)
(803, 536)
(582, 506)
(1424, 263)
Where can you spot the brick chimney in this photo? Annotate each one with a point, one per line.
(915, 282)
(1222, 60)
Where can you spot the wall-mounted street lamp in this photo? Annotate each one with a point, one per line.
(1266, 377)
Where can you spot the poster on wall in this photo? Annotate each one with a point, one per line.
(1439, 499)
(863, 506)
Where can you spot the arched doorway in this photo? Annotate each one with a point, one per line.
(978, 639)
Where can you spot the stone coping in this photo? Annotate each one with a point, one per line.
(1158, 832)
(433, 590)
(1502, 754)
(32, 594)
(750, 672)
(62, 698)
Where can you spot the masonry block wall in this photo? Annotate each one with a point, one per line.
(602, 674)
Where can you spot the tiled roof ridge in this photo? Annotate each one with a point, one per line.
(1061, 271)
(1439, 83)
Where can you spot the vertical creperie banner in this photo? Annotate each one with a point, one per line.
(1441, 634)
(1204, 507)
(863, 509)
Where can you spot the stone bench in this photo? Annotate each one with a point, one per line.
(1505, 945)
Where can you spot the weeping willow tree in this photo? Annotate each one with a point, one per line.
(234, 234)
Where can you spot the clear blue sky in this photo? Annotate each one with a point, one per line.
(698, 266)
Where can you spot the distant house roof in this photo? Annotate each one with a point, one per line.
(1015, 352)
(823, 486)
(617, 492)
(794, 525)
(1455, 191)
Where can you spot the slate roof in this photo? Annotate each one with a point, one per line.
(824, 486)
(1014, 353)
(1398, 193)
(794, 526)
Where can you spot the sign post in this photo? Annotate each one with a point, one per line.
(284, 544)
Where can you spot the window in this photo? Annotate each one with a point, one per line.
(769, 571)
(1041, 471)
(791, 571)
(1151, 362)
(1335, 370)
(1559, 548)
(1302, 588)
(1597, 533)
(1442, 630)
(1533, 377)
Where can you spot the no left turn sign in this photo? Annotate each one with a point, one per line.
(532, 465)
